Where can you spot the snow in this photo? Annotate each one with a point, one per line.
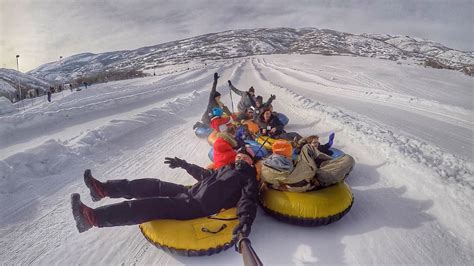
(5, 87)
(6, 106)
(409, 128)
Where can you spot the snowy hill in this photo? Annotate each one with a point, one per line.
(409, 129)
(240, 43)
(10, 78)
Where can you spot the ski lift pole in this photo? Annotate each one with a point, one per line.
(231, 101)
(261, 146)
(244, 247)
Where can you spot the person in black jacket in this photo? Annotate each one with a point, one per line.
(214, 101)
(272, 127)
(231, 186)
(269, 124)
(260, 106)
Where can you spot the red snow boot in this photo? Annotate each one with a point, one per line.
(95, 186)
(83, 215)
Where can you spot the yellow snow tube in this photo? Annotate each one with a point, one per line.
(268, 144)
(313, 208)
(196, 237)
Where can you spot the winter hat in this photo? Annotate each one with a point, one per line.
(251, 89)
(216, 94)
(282, 147)
(249, 152)
(217, 111)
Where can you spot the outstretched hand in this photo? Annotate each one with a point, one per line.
(230, 82)
(272, 96)
(216, 76)
(175, 162)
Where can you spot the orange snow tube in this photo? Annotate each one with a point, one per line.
(253, 127)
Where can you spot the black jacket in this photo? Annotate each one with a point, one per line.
(225, 188)
(274, 122)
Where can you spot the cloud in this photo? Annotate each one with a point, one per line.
(42, 30)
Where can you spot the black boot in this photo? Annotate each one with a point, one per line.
(96, 187)
(83, 215)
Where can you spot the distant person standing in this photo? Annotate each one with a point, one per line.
(49, 95)
(70, 87)
(85, 84)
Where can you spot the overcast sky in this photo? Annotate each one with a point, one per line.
(42, 30)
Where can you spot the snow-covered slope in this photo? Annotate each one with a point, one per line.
(239, 43)
(10, 79)
(409, 129)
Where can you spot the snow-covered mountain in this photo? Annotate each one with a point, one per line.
(409, 128)
(10, 79)
(240, 43)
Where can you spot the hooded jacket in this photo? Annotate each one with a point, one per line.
(224, 152)
(246, 101)
(273, 122)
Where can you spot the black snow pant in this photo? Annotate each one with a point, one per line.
(153, 199)
(289, 136)
(325, 149)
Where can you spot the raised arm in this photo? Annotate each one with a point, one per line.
(235, 90)
(195, 171)
(270, 100)
(214, 87)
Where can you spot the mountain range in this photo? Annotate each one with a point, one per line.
(248, 42)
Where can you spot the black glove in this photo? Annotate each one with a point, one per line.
(273, 97)
(175, 162)
(230, 83)
(216, 76)
(242, 228)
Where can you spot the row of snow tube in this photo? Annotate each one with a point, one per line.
(213, 234)
(204, 132)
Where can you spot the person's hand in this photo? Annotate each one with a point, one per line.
(264, 131)
(175, 162)
(243, 227)
(230, 83)
(272, 97)
(273, 130)
(216, 76)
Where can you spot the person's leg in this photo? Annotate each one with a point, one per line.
(134, 211)
(325, 149)
(139, 188)
(142, 188)
(291, 136)
(144, 210)
(334, 171)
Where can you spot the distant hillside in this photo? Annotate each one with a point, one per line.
(10, 79)
(239, 43)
